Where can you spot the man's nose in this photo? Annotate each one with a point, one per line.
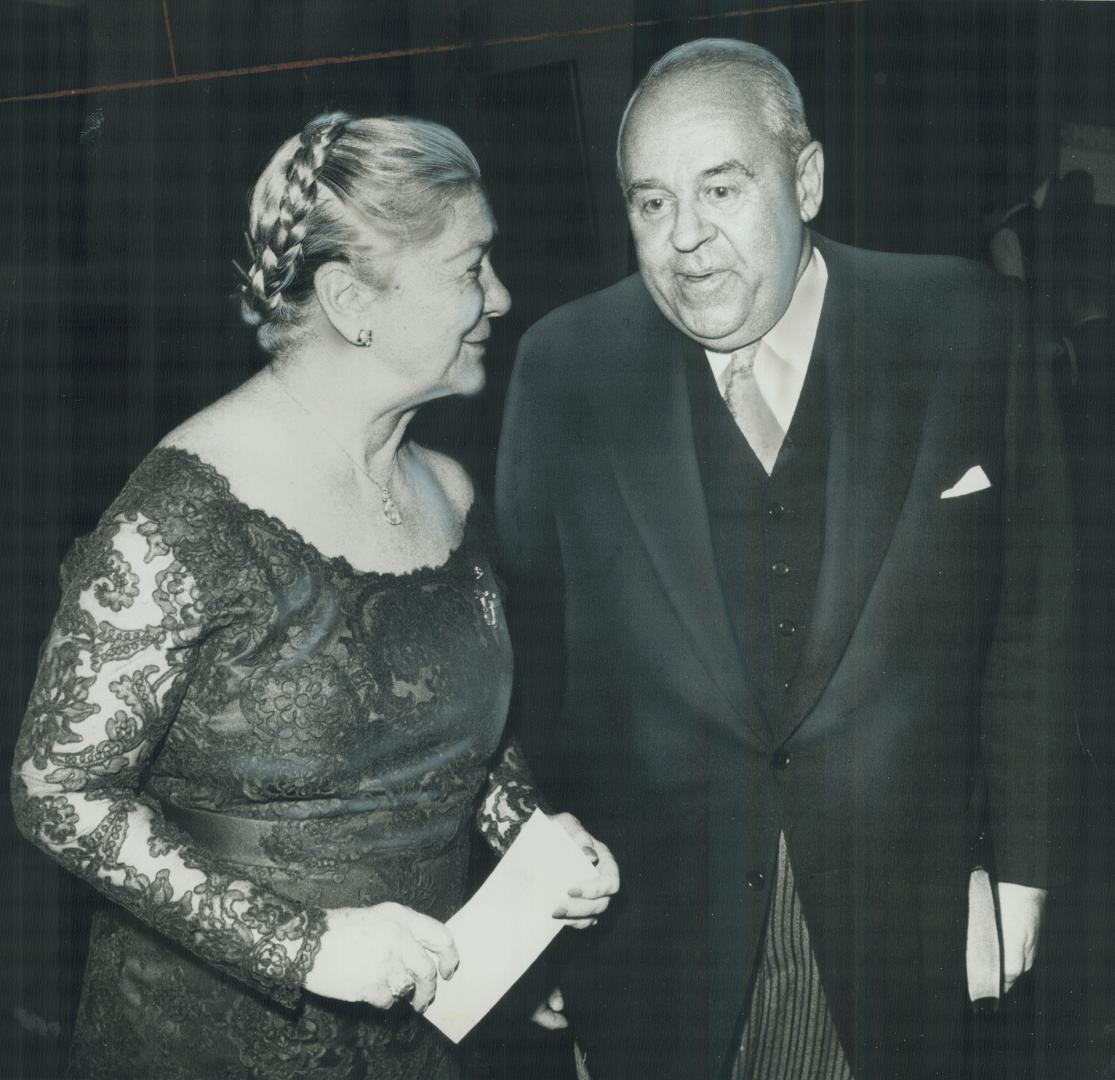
(691, 229)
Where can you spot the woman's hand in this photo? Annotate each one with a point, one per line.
(381, 955)
(589, 898)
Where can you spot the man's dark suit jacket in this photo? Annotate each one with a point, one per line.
(937, 672)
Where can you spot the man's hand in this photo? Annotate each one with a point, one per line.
(550, 1014)
(1020, 909)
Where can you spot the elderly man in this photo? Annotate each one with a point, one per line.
(783, 521)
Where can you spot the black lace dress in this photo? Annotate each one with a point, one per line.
(230, 732)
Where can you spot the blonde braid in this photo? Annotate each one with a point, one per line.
(276, 244)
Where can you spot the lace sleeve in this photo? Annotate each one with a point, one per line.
(510, 799)
(118, 659)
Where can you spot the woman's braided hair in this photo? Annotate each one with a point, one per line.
(341, 191)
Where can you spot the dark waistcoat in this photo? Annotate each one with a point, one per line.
(766, 531)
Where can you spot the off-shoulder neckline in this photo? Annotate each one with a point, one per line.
(276, 524)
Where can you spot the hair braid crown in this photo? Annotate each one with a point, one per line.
(275, 241)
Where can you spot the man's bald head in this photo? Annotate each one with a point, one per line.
(764, 76)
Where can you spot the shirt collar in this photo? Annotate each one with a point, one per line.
(792, 337)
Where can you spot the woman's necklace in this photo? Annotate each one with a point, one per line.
(390, 510)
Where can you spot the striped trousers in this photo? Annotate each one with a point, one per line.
(789, 1034)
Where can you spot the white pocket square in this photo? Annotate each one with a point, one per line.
(975, 479)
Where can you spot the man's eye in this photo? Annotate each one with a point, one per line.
(653, 206)
(720, 192)
(474, 270)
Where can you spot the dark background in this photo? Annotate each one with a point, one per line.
(123, 208)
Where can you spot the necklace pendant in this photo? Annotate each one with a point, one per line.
(390, 510)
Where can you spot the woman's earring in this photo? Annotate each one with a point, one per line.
(364, 338)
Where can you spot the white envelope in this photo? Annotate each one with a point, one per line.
(975, 479)
(503, 928)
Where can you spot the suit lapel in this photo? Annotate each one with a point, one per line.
(874, 401)
(652, 451)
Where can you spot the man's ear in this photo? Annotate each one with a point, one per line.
(809, 180)
(343, 298)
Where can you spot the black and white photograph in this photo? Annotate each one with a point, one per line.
(558, 541)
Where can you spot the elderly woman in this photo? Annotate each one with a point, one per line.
(267, 714)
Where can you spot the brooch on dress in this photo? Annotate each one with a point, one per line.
(488, 600)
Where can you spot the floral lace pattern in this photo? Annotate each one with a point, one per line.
(230, 732)
(510, 799)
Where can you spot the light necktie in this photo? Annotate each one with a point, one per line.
(760, 427)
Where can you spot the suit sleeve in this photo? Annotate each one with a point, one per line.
(1030, 749)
